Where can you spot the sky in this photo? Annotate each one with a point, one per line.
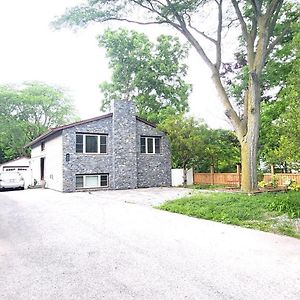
(32, 50)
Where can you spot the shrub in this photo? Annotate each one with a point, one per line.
(262, 184)
(274, 181)
(294, 186)
(288, 203)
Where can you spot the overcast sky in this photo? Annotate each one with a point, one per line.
(31, 50)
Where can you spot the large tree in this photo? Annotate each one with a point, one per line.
(150, 74)
(28, 110)
(257, 20)
(276, 82)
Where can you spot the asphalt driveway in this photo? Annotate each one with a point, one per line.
(104, 246)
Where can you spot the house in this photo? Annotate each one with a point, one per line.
(114, 151)
(21, 165)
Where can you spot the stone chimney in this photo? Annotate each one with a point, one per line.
(124, 145)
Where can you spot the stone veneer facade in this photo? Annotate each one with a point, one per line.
(126, 166)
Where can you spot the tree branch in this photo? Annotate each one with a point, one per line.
(272, 7)
(256, 7)
(200, 32)
(133, 21)
(277, 40)
(219, 36)
(241, 18)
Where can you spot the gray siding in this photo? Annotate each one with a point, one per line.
(126, 166)
(124, 145)
(153, 169)
(86, 163)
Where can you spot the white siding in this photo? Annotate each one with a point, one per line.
(53, 170)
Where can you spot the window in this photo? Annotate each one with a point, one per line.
(150, 145)
(91, 143)
(42, 146)
(79, 181)
(79, 143)
(92, 181)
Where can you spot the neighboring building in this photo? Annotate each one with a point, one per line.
(115, 151)
(21, 165)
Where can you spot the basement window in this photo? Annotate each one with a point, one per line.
(91, 181)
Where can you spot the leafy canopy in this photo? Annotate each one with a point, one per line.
(187, 137)
(152, 75)
(27, 111)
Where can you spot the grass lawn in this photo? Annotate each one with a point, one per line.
(273, 212)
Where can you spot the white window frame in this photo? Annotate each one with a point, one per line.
(84, 143)
(153, 144)
(93, 175)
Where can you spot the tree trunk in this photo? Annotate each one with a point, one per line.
(184, 176)
(249, 146)
(249, 168)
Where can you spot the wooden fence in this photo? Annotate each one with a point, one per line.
(230, 179)
(234, 179)
(283, 178)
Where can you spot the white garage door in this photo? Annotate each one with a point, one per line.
(23, 170)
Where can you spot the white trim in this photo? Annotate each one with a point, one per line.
(92, 175)
(153, 144)
(84, 135)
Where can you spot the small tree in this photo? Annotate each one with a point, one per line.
(187, 139)
(222, 152)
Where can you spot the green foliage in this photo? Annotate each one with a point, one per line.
(257, 19)
(260, 211)
(283, 139)
(293, 186)
(195, 145)
(152, 75)
(278, 64)
(262, 184)
(26, 112)
(187, 138)
(222, 151)
(286, 203)
(279, 133)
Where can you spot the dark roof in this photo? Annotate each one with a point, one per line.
(52, 131)
(60, 128)
(145, 121)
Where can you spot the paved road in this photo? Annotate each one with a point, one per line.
(92, 246)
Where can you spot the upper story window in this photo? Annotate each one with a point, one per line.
(42, 146)
(150, 145)
(91, 143)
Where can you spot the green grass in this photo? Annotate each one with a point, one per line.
(273, 212)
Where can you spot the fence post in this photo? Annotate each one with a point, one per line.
(212, 175)
(238, 171)
(272, 170)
